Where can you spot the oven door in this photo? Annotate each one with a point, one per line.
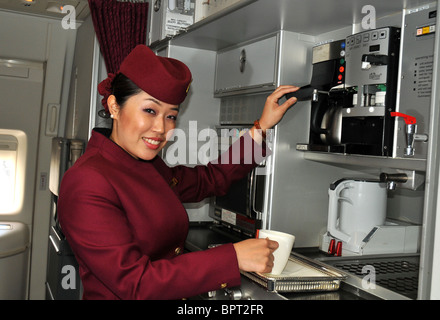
(242, 207)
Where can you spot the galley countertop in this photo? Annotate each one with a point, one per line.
(202, 235)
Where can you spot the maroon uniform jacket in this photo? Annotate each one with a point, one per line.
(126, 224)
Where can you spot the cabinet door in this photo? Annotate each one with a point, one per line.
(250, 67)
(156, 13)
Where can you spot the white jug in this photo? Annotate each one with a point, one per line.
(355, 208)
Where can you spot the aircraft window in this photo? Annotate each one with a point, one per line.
(11, 171)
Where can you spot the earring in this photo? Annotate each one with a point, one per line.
(112, 116)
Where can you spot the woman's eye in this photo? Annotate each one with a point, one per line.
(174, 118)
(148, 110)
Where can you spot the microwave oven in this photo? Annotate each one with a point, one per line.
(242, 207)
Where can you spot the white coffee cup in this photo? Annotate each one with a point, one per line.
(282, 253)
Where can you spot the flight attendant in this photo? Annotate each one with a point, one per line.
(120, 206)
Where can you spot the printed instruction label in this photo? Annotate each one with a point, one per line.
(229, 217)
(423, 75)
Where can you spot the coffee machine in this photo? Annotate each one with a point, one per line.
(327, 94)
(372, 63)
(353, 90)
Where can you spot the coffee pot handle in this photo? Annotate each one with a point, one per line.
(334, 208)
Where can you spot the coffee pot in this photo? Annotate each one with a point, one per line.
(356, 207)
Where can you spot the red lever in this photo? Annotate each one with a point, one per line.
(331, 247)
(408, 119)
(338, 252)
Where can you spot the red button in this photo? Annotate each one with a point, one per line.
(340, 77)
(341, 69)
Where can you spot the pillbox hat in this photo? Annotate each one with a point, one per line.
(166, 79)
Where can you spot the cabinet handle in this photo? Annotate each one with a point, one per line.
(242, 60)
(157, 4)
(53, 111)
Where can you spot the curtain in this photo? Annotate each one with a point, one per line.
(119, 26)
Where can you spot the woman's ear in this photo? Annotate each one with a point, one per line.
(113, 107)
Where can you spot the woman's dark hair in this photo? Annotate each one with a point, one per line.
(123, 88)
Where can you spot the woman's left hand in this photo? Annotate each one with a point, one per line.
(273, 112)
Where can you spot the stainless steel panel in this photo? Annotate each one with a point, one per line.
(199, 105)
(249, 66)
(156, 14)
(325, 52)
(58, 163)
(430, 254)
(417, 61)
(360, 44)
(243, 109)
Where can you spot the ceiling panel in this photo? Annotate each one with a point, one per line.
(40, 7)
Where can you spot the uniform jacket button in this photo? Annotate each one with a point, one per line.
(177, 251)
(223, 285)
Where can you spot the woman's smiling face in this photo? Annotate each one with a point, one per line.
(141, 126)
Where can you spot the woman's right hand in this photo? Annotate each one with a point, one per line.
(255, 255)
(272, 111)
